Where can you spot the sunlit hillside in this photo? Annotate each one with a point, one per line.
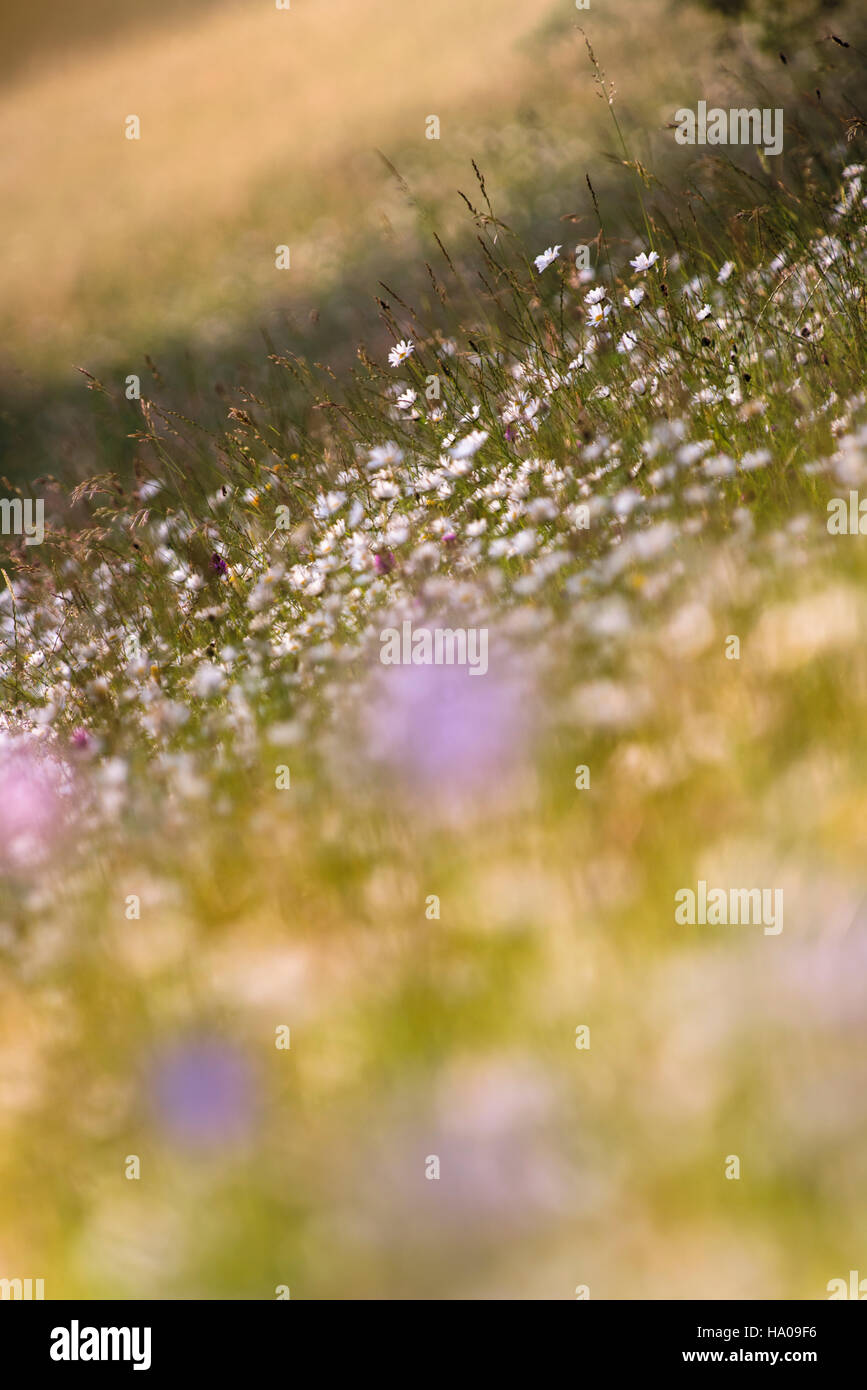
(260, 128)
(433, 698)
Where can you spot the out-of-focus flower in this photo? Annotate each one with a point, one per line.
(547, 257)
(207, 680)
(469, 445)
(30, 806)
(384, 562)
(328, 503)
(384, 456)
(444, 734)
(643, 262)
(202, 1093)
(495, 1126)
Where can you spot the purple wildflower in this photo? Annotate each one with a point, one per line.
(384, 562)
(30, 807)
(446, 736)
(202, 1092)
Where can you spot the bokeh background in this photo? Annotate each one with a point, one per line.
(154, 1036)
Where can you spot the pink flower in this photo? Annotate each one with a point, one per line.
(384, 562)
(30, 806)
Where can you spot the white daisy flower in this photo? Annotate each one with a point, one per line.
(384, 456)
(633, 297)
(598, 313)
(756, 458)
(524, 541)
(466, 447)
(724, 272)
(400, 352)
(704, 312)
(384, 489)
(595, 296)
(643, 262)
(207, 680)
(328, 503)
(627, 343)
(720, 466)
(547, 257)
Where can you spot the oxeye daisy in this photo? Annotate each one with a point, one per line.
(542, 262)
(400, 352)
(595, 296)
(633, 297)
(643, 262)
(704, 312)
(388, 455)
(384, 489)
(469, 445)
(207, 680)
(598, 313)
